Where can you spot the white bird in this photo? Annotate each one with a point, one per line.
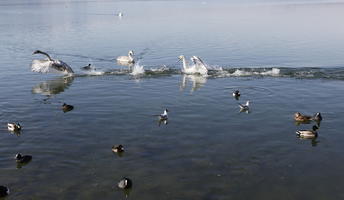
(244, 107)
(14, 126)
(126, 59)
(164, 115)
(198, 67)
(120, 14)
(46, 65)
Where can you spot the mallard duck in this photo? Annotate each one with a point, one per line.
(66, 107)
(14, 126)
(118, 149)
(236, 94)
(302, 118)
(125, 183)
(308, 133)
(23, 159)
(4, 191)
(164, 115)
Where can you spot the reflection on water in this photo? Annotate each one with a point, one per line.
(20, 165)
(197, 81)
(16, 132)
(162, 121)
(53, 87)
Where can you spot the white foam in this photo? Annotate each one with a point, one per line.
(160, 69)
(94, 72)
(253, 72)
(272, 72)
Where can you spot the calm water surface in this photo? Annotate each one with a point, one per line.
(283, 57)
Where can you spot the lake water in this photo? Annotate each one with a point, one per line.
(284, 57)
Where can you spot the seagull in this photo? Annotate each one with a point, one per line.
(125, 60)
(244, 107)
(46, 65)
(198, 67)
(164, 115)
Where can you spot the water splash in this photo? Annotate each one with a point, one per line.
(137, 69)
(94, 72)
(247, 72)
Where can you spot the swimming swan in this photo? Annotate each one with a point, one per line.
(126, 59)
(44, 66)
(198, 67)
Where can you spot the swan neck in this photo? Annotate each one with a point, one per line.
(184, 63)
(47, 55)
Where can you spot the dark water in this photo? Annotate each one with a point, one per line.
(283, 57)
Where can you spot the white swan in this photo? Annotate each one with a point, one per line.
(126, 59)
(46, 65)
(198, 67)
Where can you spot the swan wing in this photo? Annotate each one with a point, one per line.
(61, 66)
(45, 66)
(199, 65)
(41, 66)
(198, 60)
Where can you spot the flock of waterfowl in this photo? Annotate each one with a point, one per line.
(50, 64)
(198, 67)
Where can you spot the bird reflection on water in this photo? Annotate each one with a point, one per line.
(53, 87)
(197, 82)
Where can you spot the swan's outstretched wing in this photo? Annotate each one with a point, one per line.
(45, 66)
(199, 64)
(197, 60)
(41, 66)
(61, 66)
